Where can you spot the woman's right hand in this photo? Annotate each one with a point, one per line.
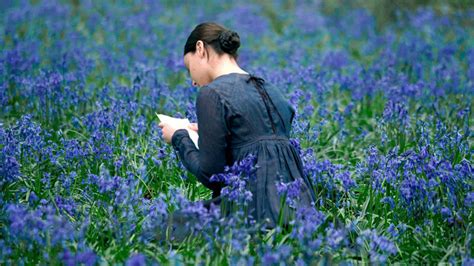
(193, 126)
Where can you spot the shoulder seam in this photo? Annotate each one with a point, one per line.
(221, 100)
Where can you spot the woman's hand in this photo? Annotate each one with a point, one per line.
(167, 130)
(193, 126)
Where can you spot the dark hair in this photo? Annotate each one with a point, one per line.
(221, 39)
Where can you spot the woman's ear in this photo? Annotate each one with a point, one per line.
(200, 48)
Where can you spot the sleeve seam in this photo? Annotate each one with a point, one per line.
(178, 136)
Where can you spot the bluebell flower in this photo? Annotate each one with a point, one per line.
(447, 214)
(379, 247)
(373, 157)
(336, 238)
(392, 230)
(9, 169)
(40, 228)
(66, 205)
(238, 259)
(137, 259)
(467, 261)
(469, 199)
(296, 144)
(397, 113)
(290, 191)
(306, 223)
(86, 257)
(119, 162)
(347, 181)
(236, 179)
(335, 60)
(413, 194)
(418, 230)
(280, 254)
(389, 201)
(139, 125)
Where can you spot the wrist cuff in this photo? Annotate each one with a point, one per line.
(178, 136)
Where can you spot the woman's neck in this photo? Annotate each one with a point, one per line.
(226, 66)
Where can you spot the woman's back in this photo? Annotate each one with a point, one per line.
(257, 120)
(248, 108)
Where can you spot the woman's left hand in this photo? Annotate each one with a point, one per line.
(193, 126)
(168, 131)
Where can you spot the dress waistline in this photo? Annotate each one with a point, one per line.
(260, 138)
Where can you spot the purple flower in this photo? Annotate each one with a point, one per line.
(66, 205)
(373, 157)
(379, 247)
(306, 223)
(119, 162)
(335, 60)
(447, 214)
(236, 179)
(276, 256)
(139, 125)
(296, 144)
(40, 227)
(86, 257)
(137, 259)
(290, 190)
(73, 150)
(469, 199)
(9, 169)
(347, 181)
(414, 194)
(336, 238)
(397, 113)
(392, 230)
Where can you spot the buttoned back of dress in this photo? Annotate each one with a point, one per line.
(252, 116)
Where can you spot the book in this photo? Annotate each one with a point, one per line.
(180, 123)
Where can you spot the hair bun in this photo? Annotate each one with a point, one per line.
(229, 41)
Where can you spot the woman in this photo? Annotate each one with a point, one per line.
(238, 114)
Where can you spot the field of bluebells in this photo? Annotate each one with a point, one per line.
(384, 127)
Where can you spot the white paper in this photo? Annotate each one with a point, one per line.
(180, 123)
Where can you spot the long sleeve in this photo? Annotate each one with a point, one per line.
(210, 158)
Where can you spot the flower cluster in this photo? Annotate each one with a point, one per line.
(237, 179)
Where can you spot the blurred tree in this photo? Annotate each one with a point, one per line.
(385, 11)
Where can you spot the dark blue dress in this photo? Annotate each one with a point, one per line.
(239, 114)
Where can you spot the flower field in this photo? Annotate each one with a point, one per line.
(384, 126)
